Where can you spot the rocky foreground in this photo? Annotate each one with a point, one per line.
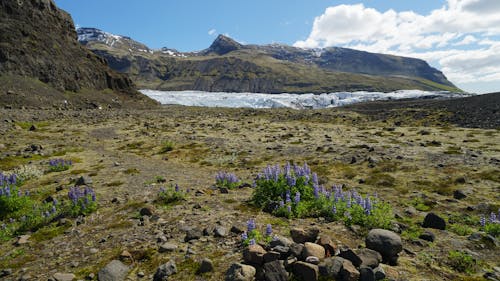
(159, 215)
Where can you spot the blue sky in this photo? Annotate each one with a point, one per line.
(460, 37)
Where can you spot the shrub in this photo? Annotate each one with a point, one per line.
(227, 180)
(170, 195)
(275, 187)
(82, 201)
(491, 225)
(462, 262)
(166, 146)
(59, 165)
(253, 235)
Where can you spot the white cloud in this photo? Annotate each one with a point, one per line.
(212, 32)
(434, 37)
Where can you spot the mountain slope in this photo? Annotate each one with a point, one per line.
(229, 66)
(38, 42)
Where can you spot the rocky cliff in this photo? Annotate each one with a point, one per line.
(38, 41)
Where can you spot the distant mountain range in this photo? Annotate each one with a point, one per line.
(228, 66)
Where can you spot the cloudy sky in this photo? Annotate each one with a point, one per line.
(459, 37)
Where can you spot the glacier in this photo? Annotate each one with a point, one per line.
(295, 101)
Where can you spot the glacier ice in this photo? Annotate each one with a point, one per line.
(296, 101)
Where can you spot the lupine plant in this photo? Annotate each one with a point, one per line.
(171, 194)
(58, 165)
(491, 225)
(253, 235)
(82, 201)
(227, 180)
(294, 191)
(12, 200)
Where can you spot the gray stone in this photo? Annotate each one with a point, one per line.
(296, 249)
(113, 271)
(220, 231)
(300, 235)
(348, 272)
(366, 274)
(167, 247)
(64, 276)
(331, 267)
(254, 254)
(23, 239)
(282, 250)
(193, 234)
(83, 180)
(306, 271)
(459, 194)
(349, 254)
(164, 271)
(240, 272)
(379, 273)
(206, 265)
(432, 220)
(327, 243)
(312, 259)
(271, 256)
(280, 241)
(386, 242)
(369, 258)
(427, 236)
(146, 211)
(275, 271)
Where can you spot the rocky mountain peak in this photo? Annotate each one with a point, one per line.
(223, 45)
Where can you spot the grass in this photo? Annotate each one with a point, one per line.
(166, 146)
(462, 262)
(48, 232)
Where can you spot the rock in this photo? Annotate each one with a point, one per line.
(427, 236)
(220, 231)
(126, 255)
(254, 254)
(366, 274)
(146, 211)
(275, 271)
(113, 271)
(224, 190)
(300, 235)
(296, 249)
(167, 247)
(164, 271)
(240, 272)
(327, 243)
(369, 258)
(33, 128)
(386, 242)
(313, 249)
(411, 211)
(379, 273)
(348, 254)
(193, 234)
(23, 239)
(280, 241)
(140, 274)
(284, 251)
(271, 256)
(64, 276)
(349, 272)
(312, 259)
(5, 272)
(237, 229)
(432, 220)
(83, 180)
(459, 194)
(206, 265)
(306, 271)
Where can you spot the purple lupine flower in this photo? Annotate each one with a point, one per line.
(297, 197)
(269, 230)
(176, 188)
(251, 242)
(334, 209)
(244, 236)
(7, 191)
(53, 210)
(19, 193)
(162, 189)
(315, 178)
(316, 191)
(250, 225)
(1, 191)
(290, 180)
(289, 208)
(493, 217)
(287, 197)
(282, 204)
(4, 226)
(288, 169)
(482, 221)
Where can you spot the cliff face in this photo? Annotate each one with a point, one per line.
(39, 40)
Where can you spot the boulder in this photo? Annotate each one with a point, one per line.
(313, 249)
(369, 258)
(327, 243)
(366, 274)
(206, 265)
(386, 242)
(349, 254)
(254, 254)
(275, 271)
(64, 276)
(331, 267)
(432, 220)
(300, 235)
(167, 247)
(296, 249)
(165, 270)
(349, 272)
(427, 236)
(193, 234)
(113, 271)
(240, 272)
(305, 271)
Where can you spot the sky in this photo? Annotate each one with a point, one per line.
(459, 37)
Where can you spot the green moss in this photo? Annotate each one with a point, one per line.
(131, 171)
(48, 232)
(381, 180)
(114, 183)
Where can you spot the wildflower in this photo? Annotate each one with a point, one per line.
(287, 197)
(297, 197)
(251, 242)
(176, 188)
(250, 225)
(244, 236)
(269, 230)
(482, 221)
(289, 208)
(334, 209)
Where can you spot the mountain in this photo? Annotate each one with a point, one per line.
(41, 61)
(229, 66)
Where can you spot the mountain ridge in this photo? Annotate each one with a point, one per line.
(227, 65)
